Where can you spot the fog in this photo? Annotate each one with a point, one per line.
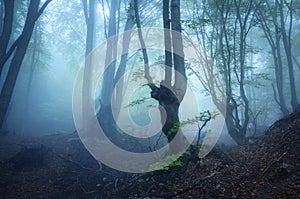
(149, 99)
(45, 106)
(49, 100)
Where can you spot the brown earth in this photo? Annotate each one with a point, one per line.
(269, 167)
(58, 166)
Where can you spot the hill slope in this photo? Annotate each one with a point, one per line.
(269, 167)
(58, 166)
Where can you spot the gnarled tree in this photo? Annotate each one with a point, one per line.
(169, 96)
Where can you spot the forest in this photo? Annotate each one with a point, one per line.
(149, 99)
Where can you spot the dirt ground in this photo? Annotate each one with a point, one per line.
(58, 166)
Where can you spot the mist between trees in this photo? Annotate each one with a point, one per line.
(254, 45)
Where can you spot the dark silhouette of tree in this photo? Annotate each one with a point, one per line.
(89, 14)
(286, 32)
(17, 50)
(114, 72)
(267, 16)
(223, 27)
(169, 96)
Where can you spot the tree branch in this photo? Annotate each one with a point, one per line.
(143, 46)
(5, 57)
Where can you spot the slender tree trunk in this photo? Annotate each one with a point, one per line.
(168, 43)
(110, 99)
(286, 37)
(243, 26)
(105, 115)
(231, 117)
(170, 97)
(89, 12)
(1, 15)
(279, 74)
(118, 96)
(7, 29)
(16, 62)
(26, 30)
(233, 57)
(143, 46)
(274, 42)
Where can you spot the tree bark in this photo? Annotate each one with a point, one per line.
(168, 42)
(286, 37)
(89, 13)
(1, 15)
(105, 115)
(15, 65)
(8, 53)
(143, 46)
(7, 28)
(274, 40)
(170, 97)
(117, 102)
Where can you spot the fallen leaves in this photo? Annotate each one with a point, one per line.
(269, 167)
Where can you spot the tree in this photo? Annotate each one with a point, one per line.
(268, 19)
(89, 13)
(17, 50)
(224, 29)
(286, 33)
(1, 14)
(113, 71)
(169, 96)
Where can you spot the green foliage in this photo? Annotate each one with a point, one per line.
(204, 116)
(137, 102)
(258, 80)
(194, 24)
(130, 8)
(149, 84)
(137, 74)
(196, 148)
(207, 115)
(175, 128)
(167, 163)
(178, 125)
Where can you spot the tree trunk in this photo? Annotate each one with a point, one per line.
(274, 39)
(123, 62)
(279, 74)
(16, 62)
(1, 15)
(89, 13)
(26, 30)
(234, 129)
(169, 110)
(105, 115)
(168, 43)
(286, 38)
(110, 62)
(7, 28)
(169, 98)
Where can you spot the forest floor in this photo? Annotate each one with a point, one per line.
(58, 166)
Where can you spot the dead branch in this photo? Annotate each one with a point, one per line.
(81, 166)
(273, 162)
